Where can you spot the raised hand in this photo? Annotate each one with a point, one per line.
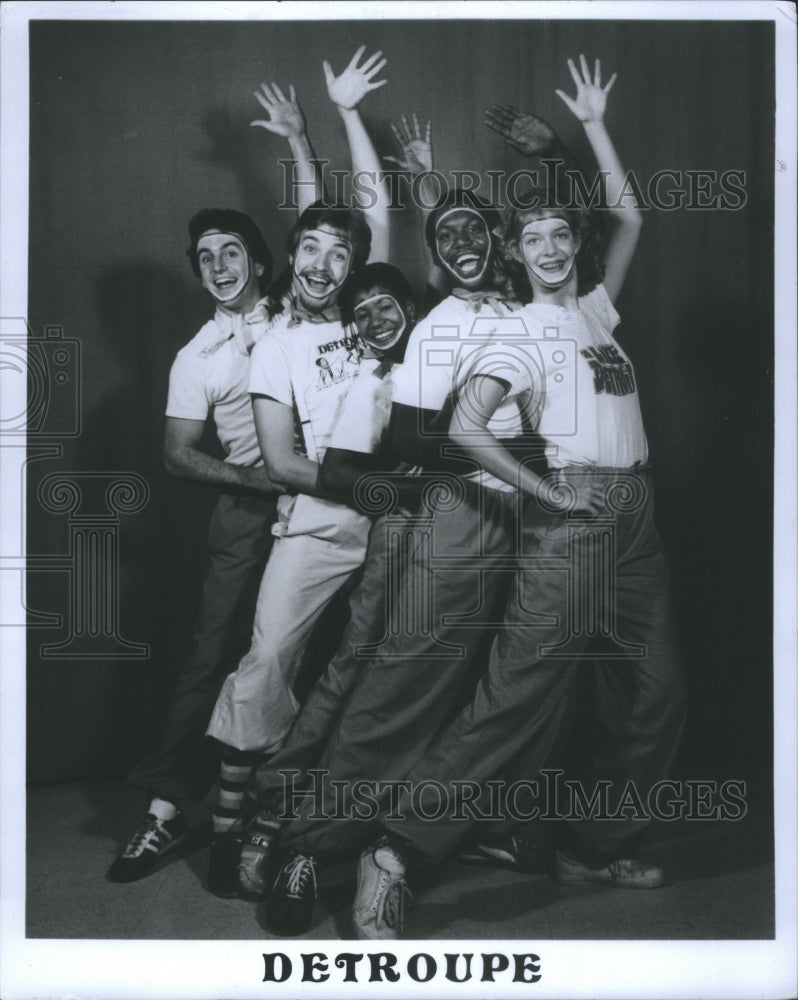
(591, 97)
(525, 132)
(348, 90)
(416, 146)
(285, 115)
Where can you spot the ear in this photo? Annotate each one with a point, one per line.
(410, 313)
(259, 269)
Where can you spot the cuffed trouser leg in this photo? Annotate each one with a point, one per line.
(406, 692)
(239, 541)
(256, 705)
(579, 578)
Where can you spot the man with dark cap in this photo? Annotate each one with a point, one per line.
(210, 375)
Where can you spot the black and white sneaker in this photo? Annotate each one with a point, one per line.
(152, 840)
(289, 910)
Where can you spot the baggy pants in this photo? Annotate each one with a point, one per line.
(256, 705)
(239, 542)
(439, 601)
(580, 580)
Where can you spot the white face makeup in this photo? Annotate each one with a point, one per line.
(549, 250)
(321, 265)
(225, 268)
(379, 318)
(463, 244)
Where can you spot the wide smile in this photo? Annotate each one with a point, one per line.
(383, 337)
(317, 285)
(554, 271)
(468, 263)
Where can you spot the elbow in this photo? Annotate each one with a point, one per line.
(278, 475)
(171, 462)
(633, 220)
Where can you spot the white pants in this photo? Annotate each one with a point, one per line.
(256, 705)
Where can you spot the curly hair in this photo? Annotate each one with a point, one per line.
(585, 224)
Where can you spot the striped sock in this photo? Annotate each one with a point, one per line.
(237, 766)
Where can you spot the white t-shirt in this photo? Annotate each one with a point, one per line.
(438, 361)
(364, 411)
(574, 382)
(211, 375)
(309, 366)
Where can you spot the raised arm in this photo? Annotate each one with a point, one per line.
(417, 159)
(183, 457)
(346, 91)
(589, 106)
(286, 119)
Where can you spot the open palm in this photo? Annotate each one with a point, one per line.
(348, 90)
(591, 98)
(525, 132)
(285, 115)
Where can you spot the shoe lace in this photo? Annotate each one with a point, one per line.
(630, 865)
(148, 828)
(297, 872)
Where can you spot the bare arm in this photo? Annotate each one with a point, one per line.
(183, 457)
(346, 92)
(295, 473)
(469, 429)
(588, 106)
(286, 119)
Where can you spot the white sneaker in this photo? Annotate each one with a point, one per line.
(378, 911)
(625, 873)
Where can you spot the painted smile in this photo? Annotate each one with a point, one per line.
(468, 263)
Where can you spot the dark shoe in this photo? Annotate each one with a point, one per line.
(289, 910)
(625, 873)
(258, 866)
(511, 852)
(225, 854)
(382, 892)
(152, 840)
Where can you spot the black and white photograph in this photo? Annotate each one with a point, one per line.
(398, 452)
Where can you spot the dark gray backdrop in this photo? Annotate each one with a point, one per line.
(134, 126)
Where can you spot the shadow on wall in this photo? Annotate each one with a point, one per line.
(149, 594)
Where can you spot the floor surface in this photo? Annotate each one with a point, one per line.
(721, 886)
